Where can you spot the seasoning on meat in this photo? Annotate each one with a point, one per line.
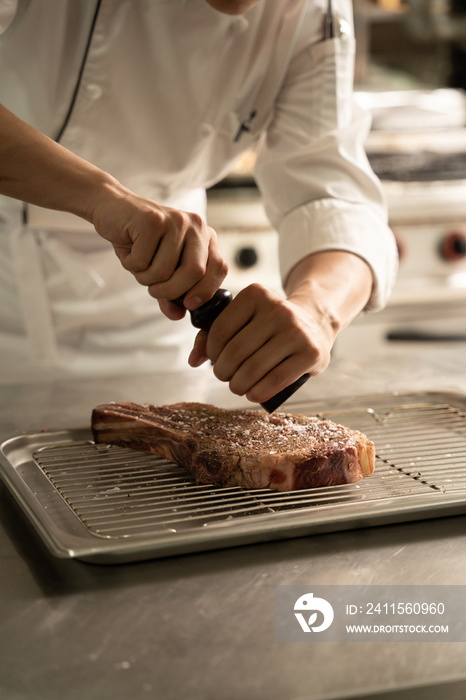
(247, 448)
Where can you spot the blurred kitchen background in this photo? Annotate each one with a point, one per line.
(410, 72)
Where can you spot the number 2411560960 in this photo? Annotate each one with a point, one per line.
(398, 609)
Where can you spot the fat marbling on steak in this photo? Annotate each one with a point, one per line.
(248, 448)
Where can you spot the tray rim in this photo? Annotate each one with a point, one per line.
(86, 547)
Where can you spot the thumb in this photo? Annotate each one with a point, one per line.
(122, 252)
(198, 354)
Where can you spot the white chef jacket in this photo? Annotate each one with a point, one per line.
(165, 95)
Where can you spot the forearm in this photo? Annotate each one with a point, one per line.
(335, 285)
(37, 170)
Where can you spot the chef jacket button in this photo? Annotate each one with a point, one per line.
(239, 25)
(94, 91)
(343, 28)
(206, 129)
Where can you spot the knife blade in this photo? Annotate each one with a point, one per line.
(203, 318)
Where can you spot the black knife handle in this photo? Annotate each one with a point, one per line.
(272, 404)
(203, 318)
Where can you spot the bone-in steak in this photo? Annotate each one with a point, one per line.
(240, 447)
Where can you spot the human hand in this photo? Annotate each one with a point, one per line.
(172, 252)
(261, 343)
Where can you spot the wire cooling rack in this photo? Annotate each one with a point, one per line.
(109, 504)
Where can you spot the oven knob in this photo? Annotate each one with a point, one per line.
(453, 246)
(246, 257)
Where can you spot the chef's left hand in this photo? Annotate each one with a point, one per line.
(261, 342)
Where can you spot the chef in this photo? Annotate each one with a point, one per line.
(117, 116)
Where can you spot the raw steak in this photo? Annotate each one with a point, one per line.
(282, 451)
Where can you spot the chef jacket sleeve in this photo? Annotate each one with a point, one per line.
(318, 188)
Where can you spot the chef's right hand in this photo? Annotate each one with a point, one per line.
(172, 252)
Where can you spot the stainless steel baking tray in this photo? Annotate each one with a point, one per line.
(107, 504)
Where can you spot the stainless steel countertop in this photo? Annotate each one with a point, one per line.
(200, 626)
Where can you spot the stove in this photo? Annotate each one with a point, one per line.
(419, 153)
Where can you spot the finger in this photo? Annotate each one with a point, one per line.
(123, 254)
(253, 317)
(137, 261)
(198, 354)
(230, 322)
(166, 254)
(164, 262)
(189, 270)
(243, 345)
(279, 378)
(145, 232)
(265, 361)
(171, 311)
(215, 272)
(265, 343)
